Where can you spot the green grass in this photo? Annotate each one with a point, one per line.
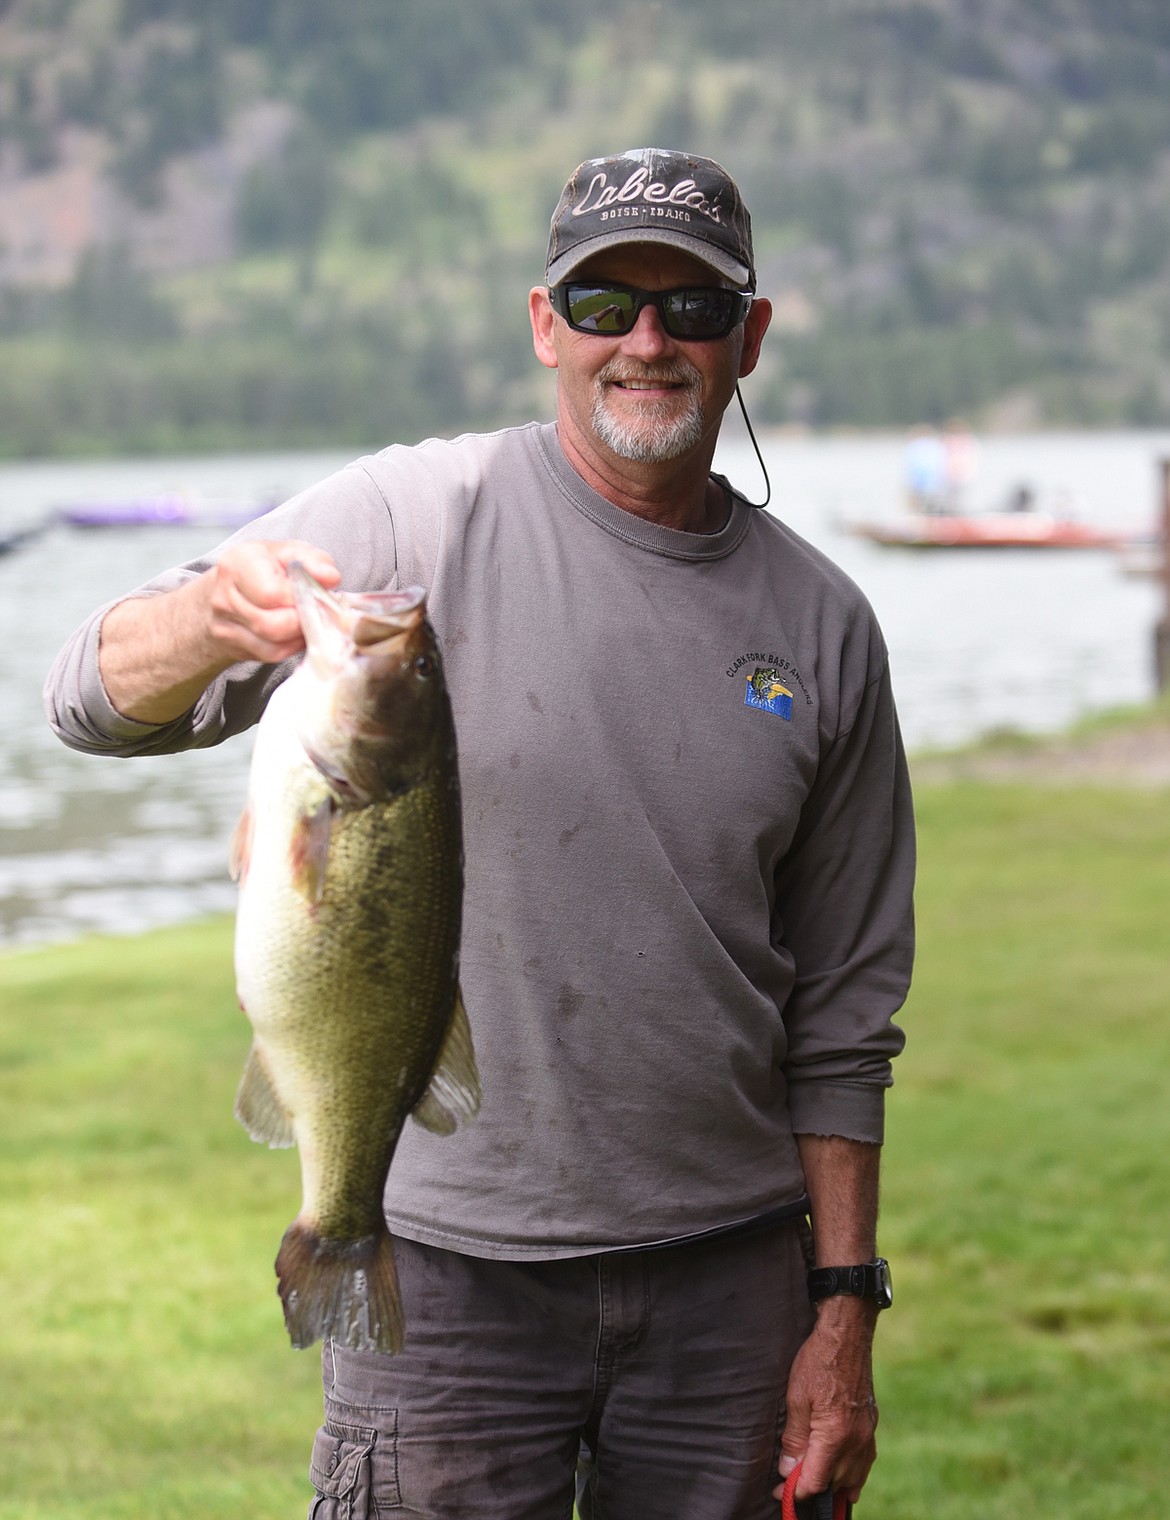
(1025, 1369)
(1023, 1372)
(144, 1364)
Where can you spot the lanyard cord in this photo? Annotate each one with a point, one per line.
(763, 467)
(841, 1509)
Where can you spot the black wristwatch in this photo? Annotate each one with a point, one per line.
(870, 1280)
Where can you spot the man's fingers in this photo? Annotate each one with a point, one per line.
(834, 1452)
(793, 1446)
(829, 1463)
(315, 560)
(269, 637)
(259, 569)
(816, 1474)
(252, 605)
(816, 1471)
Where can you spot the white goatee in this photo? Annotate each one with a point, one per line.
(662, 432)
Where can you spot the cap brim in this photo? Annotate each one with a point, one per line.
(714, 258)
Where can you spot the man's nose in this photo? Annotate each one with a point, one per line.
(647, 339)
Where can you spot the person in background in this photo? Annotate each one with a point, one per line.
(1021, 498)
(962, 461)
(926, 472)
(688, 915)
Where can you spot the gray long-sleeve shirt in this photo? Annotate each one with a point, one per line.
(688, 833)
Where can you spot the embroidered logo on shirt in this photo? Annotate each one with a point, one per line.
(775, 685)
(766, 691)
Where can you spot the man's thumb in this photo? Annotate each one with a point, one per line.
(794, 1441)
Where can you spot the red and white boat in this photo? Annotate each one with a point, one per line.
(991, 530)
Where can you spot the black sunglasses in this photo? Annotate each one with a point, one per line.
(690, 312)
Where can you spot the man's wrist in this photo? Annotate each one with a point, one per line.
(869, 1281)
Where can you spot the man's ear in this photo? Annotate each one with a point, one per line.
(754, 328)
(543, 320)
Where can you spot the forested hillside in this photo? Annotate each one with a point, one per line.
(270, 222)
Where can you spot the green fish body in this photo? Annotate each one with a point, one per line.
(347, 944)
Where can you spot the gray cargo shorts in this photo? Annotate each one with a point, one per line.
(649, 1383)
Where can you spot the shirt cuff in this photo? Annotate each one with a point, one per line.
(853, 1110)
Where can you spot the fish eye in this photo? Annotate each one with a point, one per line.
(424, 666)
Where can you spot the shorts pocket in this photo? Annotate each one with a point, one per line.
(354, 1469)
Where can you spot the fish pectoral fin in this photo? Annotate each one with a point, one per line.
(309, 850)
(259, 1109)
(454, 1094)
(241, 846)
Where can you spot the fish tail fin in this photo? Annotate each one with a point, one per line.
(346, 1291)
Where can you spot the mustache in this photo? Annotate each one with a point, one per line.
(669, 372)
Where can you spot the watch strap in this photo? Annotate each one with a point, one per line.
(864, 1280)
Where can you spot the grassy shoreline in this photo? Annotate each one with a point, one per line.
(1025, 1196)
(1025, 1369)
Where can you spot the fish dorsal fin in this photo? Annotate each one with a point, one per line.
(309, 850)
(453, 1096)
(240, 851)
(259, 1109)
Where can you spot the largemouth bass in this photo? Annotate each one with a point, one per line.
(349, 857)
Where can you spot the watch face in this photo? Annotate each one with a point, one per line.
(883, 1287)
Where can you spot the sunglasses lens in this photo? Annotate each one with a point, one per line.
(700, 313)
(600, 308)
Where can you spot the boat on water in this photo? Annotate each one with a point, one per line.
(164, 509)
(16, 538)
(991, 530)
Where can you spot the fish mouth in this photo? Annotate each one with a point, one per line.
(379, 614)
(332, 621)
(360, 722)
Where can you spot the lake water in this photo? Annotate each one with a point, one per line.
(979, 640)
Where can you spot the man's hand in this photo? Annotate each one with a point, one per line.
(158, 654)
(832, 1415)
(248, 597)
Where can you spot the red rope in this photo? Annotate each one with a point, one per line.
(788, 1498)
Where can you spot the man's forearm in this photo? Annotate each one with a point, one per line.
(154, 656)
(158, 654)
(842, 1180)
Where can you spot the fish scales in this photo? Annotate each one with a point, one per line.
(347, 942)
(386, 921)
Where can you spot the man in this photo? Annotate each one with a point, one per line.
(687, 920)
